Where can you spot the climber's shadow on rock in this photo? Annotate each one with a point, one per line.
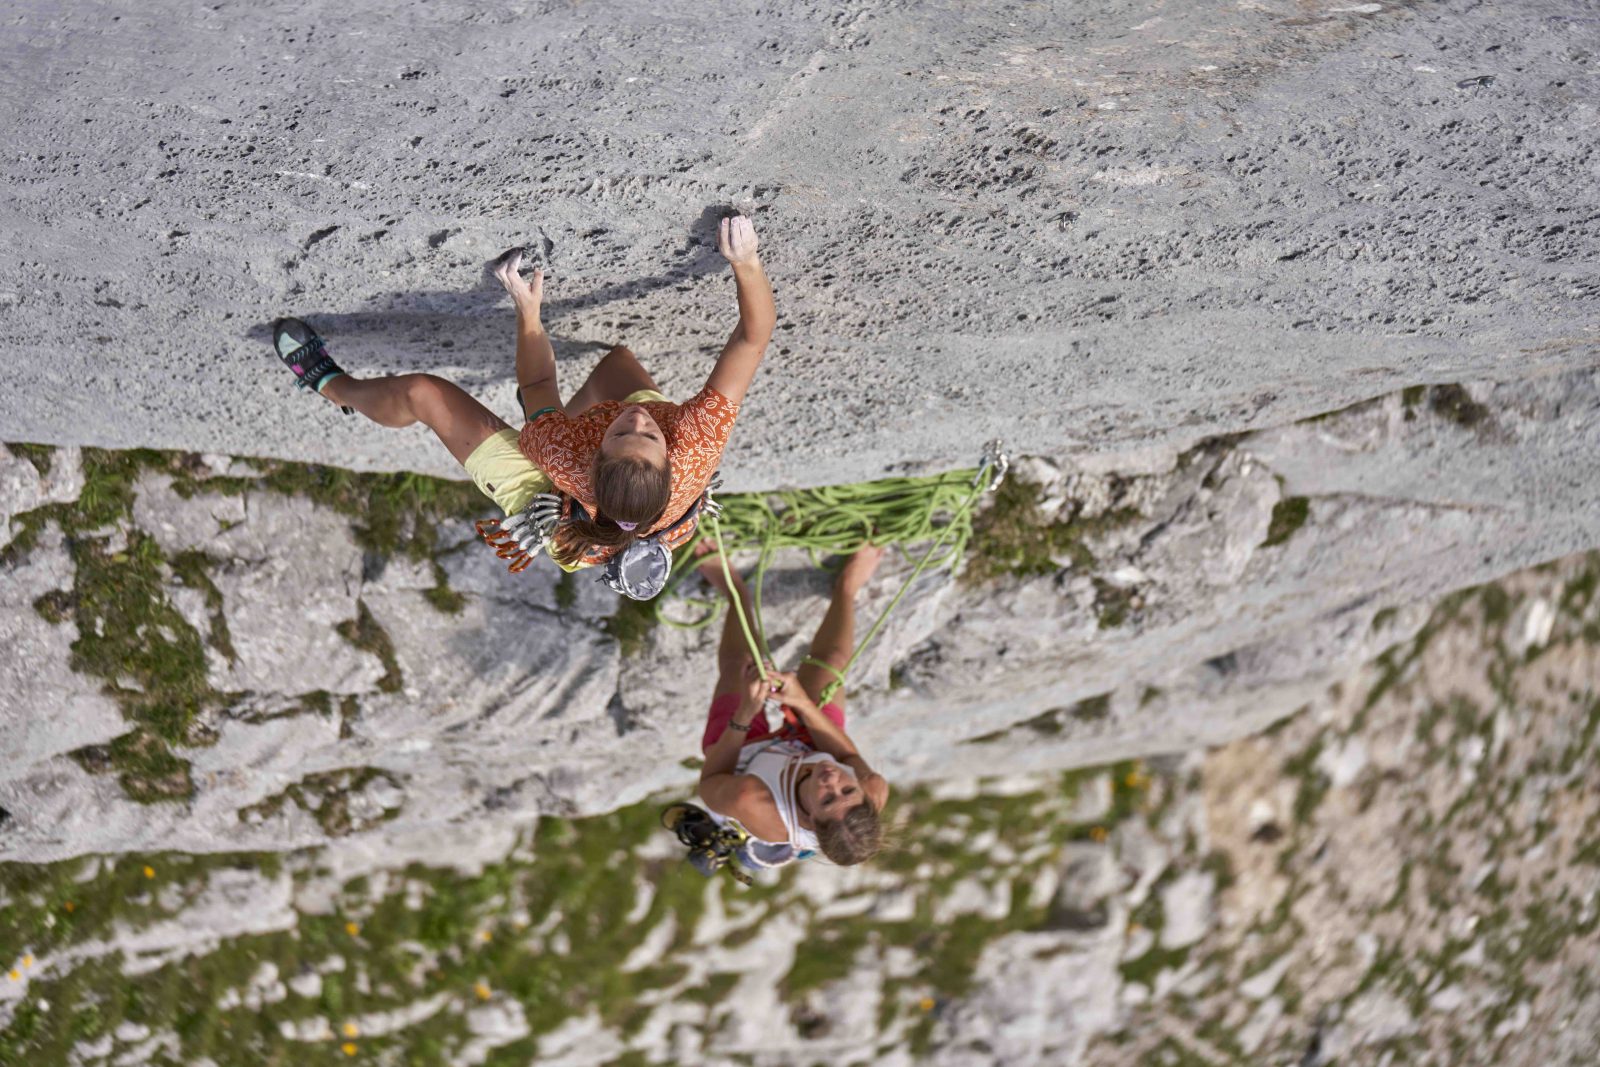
(472, 328)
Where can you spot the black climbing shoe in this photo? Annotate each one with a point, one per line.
(303, 352)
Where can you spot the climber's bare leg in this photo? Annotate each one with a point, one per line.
(455, 417)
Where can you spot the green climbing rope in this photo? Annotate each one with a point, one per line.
(829, 520)
(836, 520)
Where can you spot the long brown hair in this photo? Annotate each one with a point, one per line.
(854, 837)
(626, 488)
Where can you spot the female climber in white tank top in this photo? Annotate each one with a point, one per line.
(804, 787)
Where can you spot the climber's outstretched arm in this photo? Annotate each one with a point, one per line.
(741, 356)
(536, 359)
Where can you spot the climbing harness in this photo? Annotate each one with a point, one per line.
(640, 571)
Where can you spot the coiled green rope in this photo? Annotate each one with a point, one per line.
(834, 520)
(829, 520)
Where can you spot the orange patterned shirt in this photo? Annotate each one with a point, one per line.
(696, 432)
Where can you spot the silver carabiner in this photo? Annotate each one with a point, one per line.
(532, 527)
(994, 465)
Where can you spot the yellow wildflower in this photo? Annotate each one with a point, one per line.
(352, 928)
(348, 1048)
(482, 990)
(149, 871)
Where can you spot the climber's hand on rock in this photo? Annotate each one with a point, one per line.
(736, 240)
(526, 293)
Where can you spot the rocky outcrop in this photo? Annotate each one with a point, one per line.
(1172, 601)
(1090, 229)
(1402, 868)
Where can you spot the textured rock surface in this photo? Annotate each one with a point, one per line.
(1188, 612)
(1402, 871)
(1078, 229)
(50, 710)
(1169, 252)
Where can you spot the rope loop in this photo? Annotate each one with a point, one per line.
(836, 520)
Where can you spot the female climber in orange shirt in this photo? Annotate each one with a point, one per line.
(635, 461)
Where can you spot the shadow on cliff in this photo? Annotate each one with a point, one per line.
(474, 328)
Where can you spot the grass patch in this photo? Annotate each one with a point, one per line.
(1288, 515)
(129, 634)
(327, 796)
(193, 569)
(1454, 404)
(145, 767)
(826, 956)
(1052, 722)
(54, 607)
(393, 514)
(1113, 603)
(1012, 536)
(1145, 969)
(441, 596)
(631, 624)
(566, 592)
(41, 456)
(1314, 784)
(367, 634)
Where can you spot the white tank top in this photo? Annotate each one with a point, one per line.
(778, 763)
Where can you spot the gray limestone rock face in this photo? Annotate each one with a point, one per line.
(1037, 998)
(1186, 905)
(1088, 878)
(1078, 229)
(1192, 613)
(1355, 923)
(49, 709)
(23, 486)
(1400, 495)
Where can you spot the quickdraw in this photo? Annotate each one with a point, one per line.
(712, 846)
(519, 538)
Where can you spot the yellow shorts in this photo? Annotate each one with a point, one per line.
(500, 470)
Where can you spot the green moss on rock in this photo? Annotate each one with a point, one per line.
(1012, 536)
(367, 634)
(41, 456)
(1288, 515)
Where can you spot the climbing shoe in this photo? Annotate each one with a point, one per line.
(304, 353)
